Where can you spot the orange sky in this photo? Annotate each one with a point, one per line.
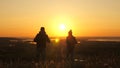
(23, 18)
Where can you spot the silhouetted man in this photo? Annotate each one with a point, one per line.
(71, 41)
(41, 39)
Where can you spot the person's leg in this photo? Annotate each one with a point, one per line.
(67, 53)
(43, 57)
(72, 55)
(37, 54)
(43, 54)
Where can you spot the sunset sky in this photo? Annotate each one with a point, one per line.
(23, 18)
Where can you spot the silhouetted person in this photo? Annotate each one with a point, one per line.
(41, 39)
(71, 41)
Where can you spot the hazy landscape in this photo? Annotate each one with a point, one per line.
(91, 52)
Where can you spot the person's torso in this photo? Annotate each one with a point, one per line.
(71, 41)
(42, 39)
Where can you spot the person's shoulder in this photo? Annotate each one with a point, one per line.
(74, 37)
(46, 35)
(38, 34)
(67, 37)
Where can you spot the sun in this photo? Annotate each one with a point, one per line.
(62, 27)
(57, 40)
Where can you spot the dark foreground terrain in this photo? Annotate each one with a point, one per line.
(16, 53)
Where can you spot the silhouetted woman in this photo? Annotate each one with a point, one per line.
(41, 39)
(70, 41)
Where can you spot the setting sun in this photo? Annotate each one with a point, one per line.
(61, 24)
(62, 27)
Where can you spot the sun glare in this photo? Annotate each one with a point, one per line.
(57, 40)
(62, 27)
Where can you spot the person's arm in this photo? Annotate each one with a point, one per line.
(48, 40)
(36, 38)
(75, 41)
(67, 42)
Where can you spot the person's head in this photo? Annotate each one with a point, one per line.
(42, 29)
(70, 32)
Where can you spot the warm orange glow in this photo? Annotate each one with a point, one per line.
(23, 18)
